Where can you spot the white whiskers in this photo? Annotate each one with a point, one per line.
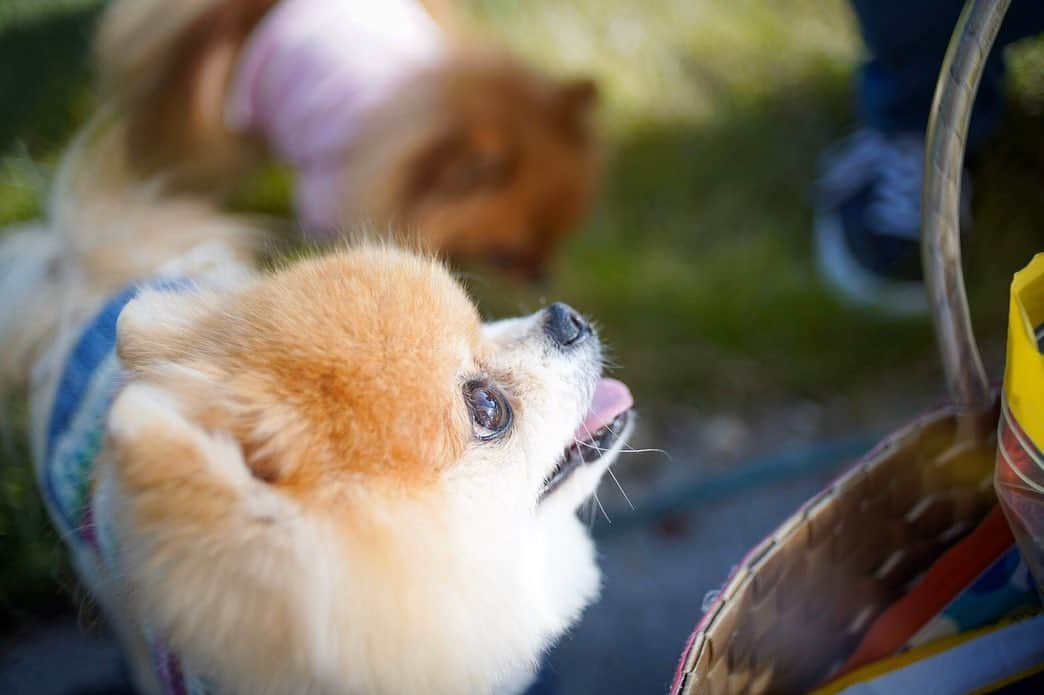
(599, 503)
(616, 480)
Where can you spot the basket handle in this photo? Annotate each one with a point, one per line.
(940, 199)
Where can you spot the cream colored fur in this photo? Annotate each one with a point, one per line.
(270, 563)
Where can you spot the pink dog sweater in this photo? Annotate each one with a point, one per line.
(311, 70)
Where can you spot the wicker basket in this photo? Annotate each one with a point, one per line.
(800, 602)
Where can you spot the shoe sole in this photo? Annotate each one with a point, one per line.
(855, 284)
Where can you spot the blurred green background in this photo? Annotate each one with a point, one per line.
(697, 263)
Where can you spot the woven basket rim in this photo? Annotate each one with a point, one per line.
(745, 570)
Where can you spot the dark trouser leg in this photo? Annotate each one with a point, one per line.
(907, 40)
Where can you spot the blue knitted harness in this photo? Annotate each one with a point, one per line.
(89, 383)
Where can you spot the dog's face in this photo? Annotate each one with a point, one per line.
(337, 479)
(482, 158)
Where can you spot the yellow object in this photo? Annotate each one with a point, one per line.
(1019, 475)
(1024, 374)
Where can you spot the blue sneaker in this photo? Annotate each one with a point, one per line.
(868, 221)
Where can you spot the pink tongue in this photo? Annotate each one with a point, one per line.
(611, 398)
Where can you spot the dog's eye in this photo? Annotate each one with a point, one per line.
(490, 411)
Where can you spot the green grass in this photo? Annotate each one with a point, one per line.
(697, 263)
(44, 93)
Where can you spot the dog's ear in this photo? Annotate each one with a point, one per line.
(168, 338)
(157, 326)
(572, 104)
(194, 529)
(154, 444)
(160, 323)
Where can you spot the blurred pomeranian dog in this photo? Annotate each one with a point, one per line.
(384, 116)
(330, 478)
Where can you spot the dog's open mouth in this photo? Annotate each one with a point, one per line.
(604, 425)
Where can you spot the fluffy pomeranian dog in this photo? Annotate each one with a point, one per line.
(383, 113)
(330, 478)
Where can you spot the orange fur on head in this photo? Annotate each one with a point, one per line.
(480, 157)
(242, 411)
(296, 387)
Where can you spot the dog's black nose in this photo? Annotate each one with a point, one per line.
(564, 326)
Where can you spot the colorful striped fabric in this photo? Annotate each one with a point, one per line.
(75, 432)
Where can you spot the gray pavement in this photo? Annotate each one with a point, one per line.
(61, 659)
(655, 579)
(656, 576)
